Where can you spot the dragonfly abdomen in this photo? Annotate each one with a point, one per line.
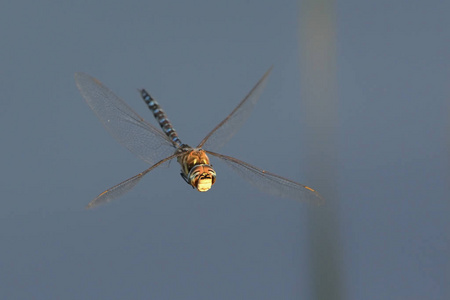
(161, 117)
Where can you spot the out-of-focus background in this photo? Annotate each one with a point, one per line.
(357, 106)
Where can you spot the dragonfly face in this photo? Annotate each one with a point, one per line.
(202, 177)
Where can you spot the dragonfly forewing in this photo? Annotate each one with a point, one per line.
(269, 182)
(125, 125)
(225, 130)
(125, 186)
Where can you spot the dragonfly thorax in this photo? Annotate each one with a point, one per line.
(196, 169)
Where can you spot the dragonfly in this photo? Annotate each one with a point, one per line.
(157, 147)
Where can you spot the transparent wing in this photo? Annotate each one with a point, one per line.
(126, 126)
(123, 187)
(223, 132)
(269, 182)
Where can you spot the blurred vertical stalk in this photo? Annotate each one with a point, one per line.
(320, 114)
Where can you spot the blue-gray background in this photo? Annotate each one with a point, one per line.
(199, 58)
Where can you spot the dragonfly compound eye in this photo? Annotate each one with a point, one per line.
(202, 177)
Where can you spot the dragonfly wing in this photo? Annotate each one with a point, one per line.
(271, 183)
(123, 187)
(223, 132)
(126, 126)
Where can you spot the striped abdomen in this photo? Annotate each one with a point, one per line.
(161, 117)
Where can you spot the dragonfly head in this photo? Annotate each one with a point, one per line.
(202, 177)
